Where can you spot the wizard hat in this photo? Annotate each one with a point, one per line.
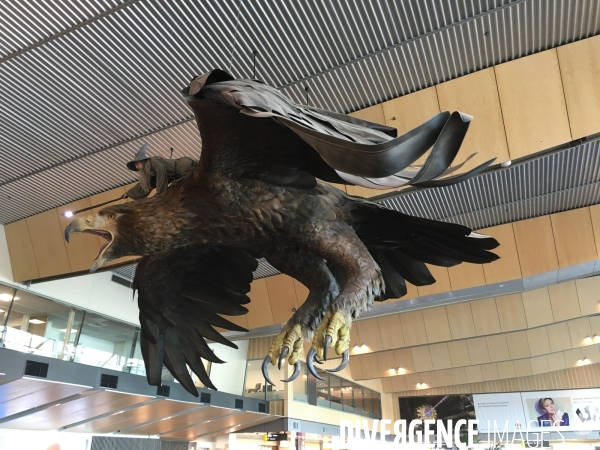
(139, 156)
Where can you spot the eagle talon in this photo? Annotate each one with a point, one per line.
(326, 345)
(265, 372)
(345, 361)
(310, 363)
(295, 374)
(284, 352)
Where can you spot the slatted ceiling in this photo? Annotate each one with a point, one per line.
(522, 367)
(436, 324)
(518, 345)
(460, 320)
(588, 292)
(579, 63)
(497, 347)
(413, 328)
(559, 337)
(573, 230)
(511, 312)
(538, 309)
(564, 299)
(539, 344)
(459, 353)
(440, 356)
(579, 329)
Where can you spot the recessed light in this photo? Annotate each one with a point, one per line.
(36, 321)
(68, 214)
(7, 297)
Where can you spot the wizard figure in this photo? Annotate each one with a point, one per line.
(156, 172)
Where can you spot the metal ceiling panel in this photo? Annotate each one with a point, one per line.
(84, 83)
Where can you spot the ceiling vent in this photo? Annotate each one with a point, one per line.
(109, 381)
(205, 397)
(163, 390)
(36, 369)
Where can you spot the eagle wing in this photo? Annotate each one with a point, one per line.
(334, 147)
(182, 296)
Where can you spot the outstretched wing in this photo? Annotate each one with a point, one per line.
(285, 138)
(182, 296)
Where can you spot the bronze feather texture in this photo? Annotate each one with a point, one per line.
(261, 190)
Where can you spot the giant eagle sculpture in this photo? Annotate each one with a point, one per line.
(260, 190)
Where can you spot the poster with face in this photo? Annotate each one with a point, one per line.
(573, 410)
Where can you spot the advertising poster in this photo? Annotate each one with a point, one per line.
(431, 407)
(574, 410)
(505, 411)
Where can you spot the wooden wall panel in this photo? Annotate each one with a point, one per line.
(535, 245)
(497, 347)
(301, 292)
(459, 353)
(506, 369)
(474, 374)
(443, 378)
(458, 375)
(22, 257)
(81, 248)
(466, 275)
(595, 215)
(442, 282)
(47, 240)
(588, 294)
(518, 346)
(580, 330)
(478, 350)
(511, 312)
(404, 359)
(539, 364)
(282, 297)
(413, 328)
(539, 344)
(574, 237)
(436, 324)
(422, 358)
(580, 70)
(386, 363)
(390, 329)
(368, 333)
(259, 314)
(370, 366)
(508, 267)
(460, 319)
(485, 317)
(559, 337)
(538, 309)
(522, 367)
(409, 111)
(489, 372)
(565, 302)
(533, 103)
(440, 356)
(556, 361)
(476, 94)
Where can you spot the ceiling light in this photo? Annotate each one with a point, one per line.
(7, 297)
(1, 311)
(596, 338)
(64, 330)
(36, 321)
(580, 361)
(586, 361)
(363, 345)
(68, 214)
(588, 339)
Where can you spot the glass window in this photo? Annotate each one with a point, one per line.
(357, 391)
(368, 395)
(323, 389)
(335, 392)
(347, 396)
(256, 386)
(300, 385)
(376, 405)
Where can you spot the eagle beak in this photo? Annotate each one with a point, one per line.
(76, 226)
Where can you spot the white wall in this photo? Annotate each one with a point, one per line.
(229, 377)
(5, 268)
(94, 292)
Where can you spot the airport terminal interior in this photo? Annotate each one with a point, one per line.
(115, 113)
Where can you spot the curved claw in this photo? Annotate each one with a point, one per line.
(345, 361)
(295, 374)
(310, 363)
(284, 353)
(328, 340)
(265, 372)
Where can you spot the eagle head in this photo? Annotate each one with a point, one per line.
(105, 224)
